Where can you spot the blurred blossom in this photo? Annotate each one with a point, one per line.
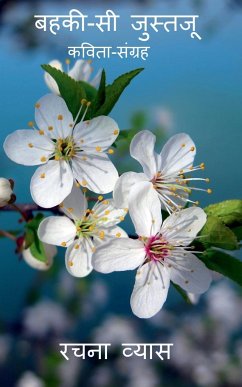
(96, 298)
(225, 306)
(163, 118)
(29, 379)
(5, 345)
(140, 372)
(102, 376)
(164, 319)
(68, 372)
(45, 317)
(116, 330)
(66, 284)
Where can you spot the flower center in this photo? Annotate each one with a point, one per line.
(65, 148)
(157, 248)
(89, 225)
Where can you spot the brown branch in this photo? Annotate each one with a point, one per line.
(8, 235)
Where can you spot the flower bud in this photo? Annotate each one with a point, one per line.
(33, 262)
(6, 192)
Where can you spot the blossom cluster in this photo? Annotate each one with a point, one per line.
(73, 158)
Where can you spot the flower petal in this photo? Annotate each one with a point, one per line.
(57, 230)
(50, 82)
(51, 183)
(118, 255)
(190, 274)
(145, 209)
(183, 226)
(35, 263)
(97, 134)
(109, 212)
(177, 154)
(108, 234)
(53, 117)
(95, 82)
(123, 186)
(77, 71)
(150, 290)
(78, 258)
(23, 147)
(142, 150)
(75, 204)
(96, 172)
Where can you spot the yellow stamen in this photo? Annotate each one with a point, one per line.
(31, 124)
(70, 263)
(68, 61)
(111, 151)
(37, 105)
(60, 117)
(84, 182)
(50, 128)
(101, 234)
(107, 212)
(118, 235)
(192, 149)
(93, 249)
(41, 132)
(42, 176)
(63, 244)
(115, 132)
(30, 145)
(98, 149)
(84, 190)
(43, 159)
(100, 198)
(209, 191)
(183, 145)
(70, 209)
(106, 202)
(121, 218)
(77, 247)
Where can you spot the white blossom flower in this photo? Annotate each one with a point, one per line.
(81, 71)
(65, 150)
(29, 379)
(164, 171)
(6, 191)
(45, 317)
(82, 230)
(35, 263)
(161, 253)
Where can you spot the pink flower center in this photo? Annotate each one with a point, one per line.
(157, 248)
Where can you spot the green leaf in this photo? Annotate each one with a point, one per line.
(182, 293)
(90, 90)
(70, 90)
(238, 232)
(100, 96)
(216, 234)
(114, 91)
(223, 263)
(31, 238)
(38, 251)
(229, 211)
